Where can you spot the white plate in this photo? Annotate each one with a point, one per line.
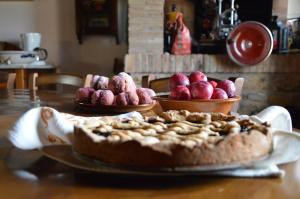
(286, 149)
(64, 154)
(18, 57)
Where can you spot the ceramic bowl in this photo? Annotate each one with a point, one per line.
(197, 105)
(18, 57)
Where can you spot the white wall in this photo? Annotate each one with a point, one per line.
(286, 9)
(280, 8)
(294, 9)
(55, 19)
(16, 18)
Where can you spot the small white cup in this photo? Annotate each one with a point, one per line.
(30, 41)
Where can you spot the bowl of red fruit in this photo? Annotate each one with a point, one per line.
(196, 94)
(118, 94)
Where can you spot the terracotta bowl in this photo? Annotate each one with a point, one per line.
(101, 109)
(196, 105)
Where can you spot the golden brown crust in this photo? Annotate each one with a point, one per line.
(129, 145)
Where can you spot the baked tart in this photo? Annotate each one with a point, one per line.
(174, 139)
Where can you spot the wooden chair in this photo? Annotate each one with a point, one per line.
(88, 80)
(162, 85)
(7, 80)
(36, 80)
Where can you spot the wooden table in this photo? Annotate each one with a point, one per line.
(27, 174)
(23, 71)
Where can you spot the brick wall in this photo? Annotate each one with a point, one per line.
(145, 26)
(273, 82)
(166, 63)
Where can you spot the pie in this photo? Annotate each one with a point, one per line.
(174, 139)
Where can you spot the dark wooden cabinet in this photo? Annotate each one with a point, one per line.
(96, 17)
(255, 10)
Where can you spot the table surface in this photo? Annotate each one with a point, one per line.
(28, 174)
(33, 65)
(23, 71)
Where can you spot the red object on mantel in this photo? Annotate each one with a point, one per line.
(182, 42)
(249, 43)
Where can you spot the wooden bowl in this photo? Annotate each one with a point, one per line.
(197, 105)
(100, 109)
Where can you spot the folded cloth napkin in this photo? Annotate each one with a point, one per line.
(45, 126)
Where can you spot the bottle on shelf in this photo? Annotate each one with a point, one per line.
(170, 22)
(280, 35)
(275, 29)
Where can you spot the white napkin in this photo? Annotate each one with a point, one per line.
(278, 116)
(45, 126)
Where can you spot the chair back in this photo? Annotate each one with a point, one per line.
(88, 80)
(7, 80)
(162, 85)
(36, 80)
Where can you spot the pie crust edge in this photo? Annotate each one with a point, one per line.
(242, 148)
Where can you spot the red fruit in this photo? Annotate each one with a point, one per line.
(117, 84)
(213, 83)
(121, 99)
(178, 79)
(94, 81)
(201, 90)
(133, 98)
(180, 93)
(106, 97)
(130, 85)
(197, 76)
(228, 86)
(84, 94)
(219, 94)
(149, 91)
(102, 97)
(144, 97)
(102, 83)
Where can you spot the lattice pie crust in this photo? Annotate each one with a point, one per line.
(174, 138)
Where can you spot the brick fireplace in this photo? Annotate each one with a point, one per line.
(273, 82)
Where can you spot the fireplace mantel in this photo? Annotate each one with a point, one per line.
(166, 63)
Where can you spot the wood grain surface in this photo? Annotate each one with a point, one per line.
(28, 174)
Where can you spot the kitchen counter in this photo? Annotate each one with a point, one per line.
(23, 71)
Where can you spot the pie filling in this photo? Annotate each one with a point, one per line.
(175, 127)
